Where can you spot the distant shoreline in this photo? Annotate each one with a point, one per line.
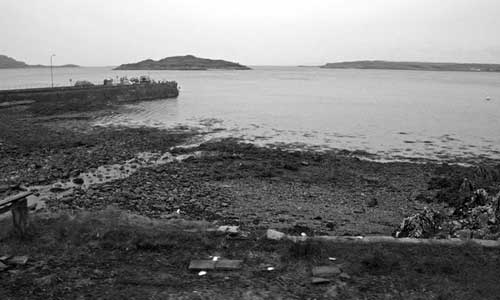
(41, 67)
(413, 66)
(10, 63)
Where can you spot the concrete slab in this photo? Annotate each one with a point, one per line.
(227, 264)
(326, 271)
(199, 265)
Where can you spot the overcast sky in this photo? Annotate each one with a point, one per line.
(252, 32)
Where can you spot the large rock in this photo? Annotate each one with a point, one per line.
(420, 225)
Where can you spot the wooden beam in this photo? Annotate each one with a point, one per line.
(15, 198)
(5, 208)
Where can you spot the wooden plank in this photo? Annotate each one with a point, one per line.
(15, 198)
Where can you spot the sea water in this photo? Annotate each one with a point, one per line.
(391, 113)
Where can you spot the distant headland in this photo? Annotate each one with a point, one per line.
(186, 62)
(421, 66)
(10, 63)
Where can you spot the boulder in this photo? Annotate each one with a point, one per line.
(420, 225)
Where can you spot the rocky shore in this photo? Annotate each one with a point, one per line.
(226, 182)
(230, 182)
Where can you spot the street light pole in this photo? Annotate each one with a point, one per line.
(51, 72)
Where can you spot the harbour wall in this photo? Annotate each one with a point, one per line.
(101, 93)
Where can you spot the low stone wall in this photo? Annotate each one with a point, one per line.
(119, 93)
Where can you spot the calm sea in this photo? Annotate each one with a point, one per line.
(393, 114)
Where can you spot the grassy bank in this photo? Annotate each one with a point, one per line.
(113, 255)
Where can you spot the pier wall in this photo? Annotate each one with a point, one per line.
(118, 93)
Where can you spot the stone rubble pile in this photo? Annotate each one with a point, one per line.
(476, 216)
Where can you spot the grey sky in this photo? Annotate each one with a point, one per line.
(253, 32)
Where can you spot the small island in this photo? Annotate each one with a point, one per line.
(186, 62)
(419, 66)
(10, 63)
(7, 62)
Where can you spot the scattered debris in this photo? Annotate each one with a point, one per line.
(326, 271)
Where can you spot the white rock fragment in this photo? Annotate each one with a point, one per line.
(229, 229)
(274, 234)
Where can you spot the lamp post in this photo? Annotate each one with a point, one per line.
(51, 72)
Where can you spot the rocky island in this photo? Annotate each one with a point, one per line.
(419, 66)
(10, 63)
(186, 62)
